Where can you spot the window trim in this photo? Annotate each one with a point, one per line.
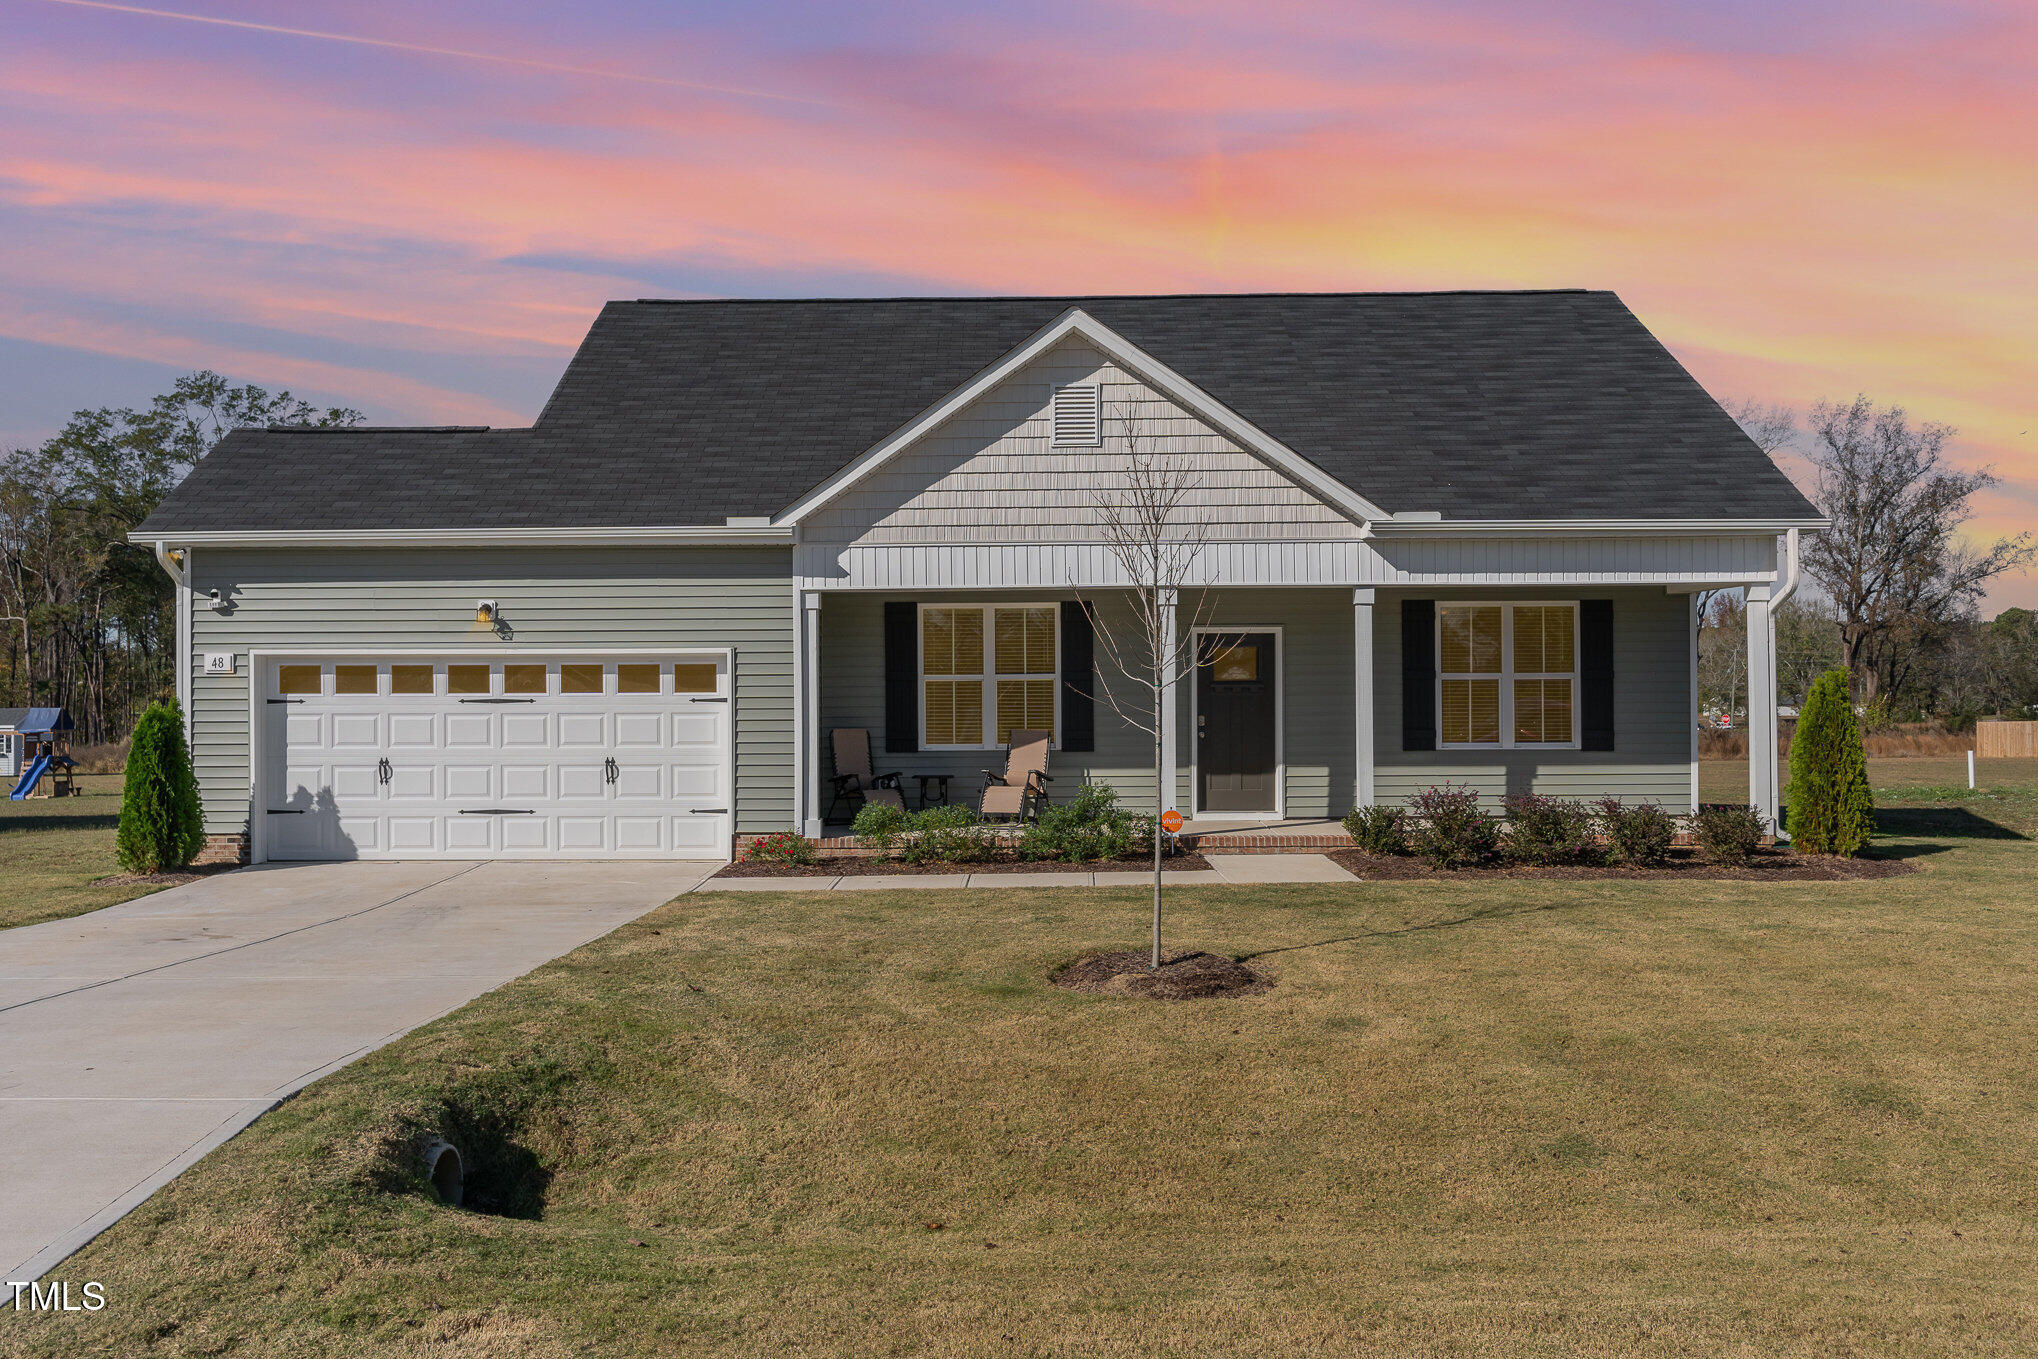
(1507, 674)
(989, 676)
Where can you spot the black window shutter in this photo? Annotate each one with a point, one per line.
(1595, 674)
(1078, 670)
(1418, 674)
(902, 675)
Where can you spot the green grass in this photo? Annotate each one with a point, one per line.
(53, 851)
(1600, 1118)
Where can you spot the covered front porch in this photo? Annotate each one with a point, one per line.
(1297, 710)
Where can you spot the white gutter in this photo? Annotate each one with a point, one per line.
(1570, 528)
(180, 576)
(1786, 581)
(168, 561)
(678, 536)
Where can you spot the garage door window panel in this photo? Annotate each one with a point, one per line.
(467, 679)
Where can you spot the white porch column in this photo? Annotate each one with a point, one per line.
(1697, 706)
(1170, 708)
(1762, 782)
(1362, 695)
(807, 713)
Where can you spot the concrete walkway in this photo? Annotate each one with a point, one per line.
(135, 1039)
(1233, 869)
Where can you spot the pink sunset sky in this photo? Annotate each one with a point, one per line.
(416, 209)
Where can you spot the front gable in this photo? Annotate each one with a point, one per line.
(989, 473)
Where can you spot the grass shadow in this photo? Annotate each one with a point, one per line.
(1952, 823)
(94, 821)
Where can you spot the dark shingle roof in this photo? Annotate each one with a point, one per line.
(1479, 405)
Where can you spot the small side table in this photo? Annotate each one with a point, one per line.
(940, 782)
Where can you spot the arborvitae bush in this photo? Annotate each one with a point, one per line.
(161, 827)
(1830, 808)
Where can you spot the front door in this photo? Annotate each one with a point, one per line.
(1237, 698)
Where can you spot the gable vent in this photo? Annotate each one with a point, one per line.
(1078, 414)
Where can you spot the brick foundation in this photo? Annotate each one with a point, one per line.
(223, 849)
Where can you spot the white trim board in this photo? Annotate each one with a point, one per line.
(1156, 374)
(1280, 812)
(682, 535)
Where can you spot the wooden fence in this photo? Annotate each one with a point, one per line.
(2005, 740)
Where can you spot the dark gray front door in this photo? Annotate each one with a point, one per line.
(1236, 696)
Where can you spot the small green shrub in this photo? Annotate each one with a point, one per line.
(1450, 829)
(1831, 809)
(161, 826)
(1639, 834)
(1550, 830)
(1728, 835)
(1090, 825)
(780, 847)
(880, 825)
(948, 835)
(1378, 830)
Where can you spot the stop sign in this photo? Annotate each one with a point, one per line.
(1171, 821)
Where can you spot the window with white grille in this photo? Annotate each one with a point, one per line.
(1078, 415)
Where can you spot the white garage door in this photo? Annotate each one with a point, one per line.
(588, 757)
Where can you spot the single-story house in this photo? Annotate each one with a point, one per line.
(1443, 537)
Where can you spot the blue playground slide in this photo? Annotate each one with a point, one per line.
(29, 778)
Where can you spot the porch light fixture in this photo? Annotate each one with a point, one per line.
(484, 612)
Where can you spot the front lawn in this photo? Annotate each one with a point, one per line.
(54, 850)
(1503, 1118)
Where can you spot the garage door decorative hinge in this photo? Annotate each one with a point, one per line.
(286, 811)
(498, 700)
(707, 700)
(709, 811)
(498, 811)
(283, 700)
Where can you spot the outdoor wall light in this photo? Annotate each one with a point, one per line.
(484, 612)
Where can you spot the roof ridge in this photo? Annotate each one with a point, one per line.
(377, 429)
(1101, 297)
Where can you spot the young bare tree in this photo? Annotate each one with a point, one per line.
(1155, 537)
(1893, 563)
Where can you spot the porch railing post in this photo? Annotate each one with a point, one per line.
(1362, 696)
(807, 718)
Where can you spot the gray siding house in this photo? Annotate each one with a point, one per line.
(1444, 537)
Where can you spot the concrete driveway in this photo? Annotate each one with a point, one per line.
(135, 1039)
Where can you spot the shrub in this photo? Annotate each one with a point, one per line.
(1728, 835)
(1640, 834)
(1450, 830)
(1378, 830)
(1831, 809)
(781, 847)
(949, 835)
(1090, 825)
(161, 826)
(879, 825)
(1550, 830)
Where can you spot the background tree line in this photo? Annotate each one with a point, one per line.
(1894, 588)
(101, 622)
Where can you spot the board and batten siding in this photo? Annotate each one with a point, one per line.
(1316, 651)
(990, 473)
(1653, 714)
(610, 598)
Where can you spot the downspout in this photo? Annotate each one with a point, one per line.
(1787, 580)
(180, 575)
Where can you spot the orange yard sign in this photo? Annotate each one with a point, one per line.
(1171, 821)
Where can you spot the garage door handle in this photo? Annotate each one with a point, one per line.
(707, 700)
(498, 700)
(709, 811)
(498, 811)
(287, 811)
(284, 700)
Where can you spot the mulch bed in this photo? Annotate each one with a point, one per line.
(1765, 866)
(1190, 976)
(184, 875)
(864, 866)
